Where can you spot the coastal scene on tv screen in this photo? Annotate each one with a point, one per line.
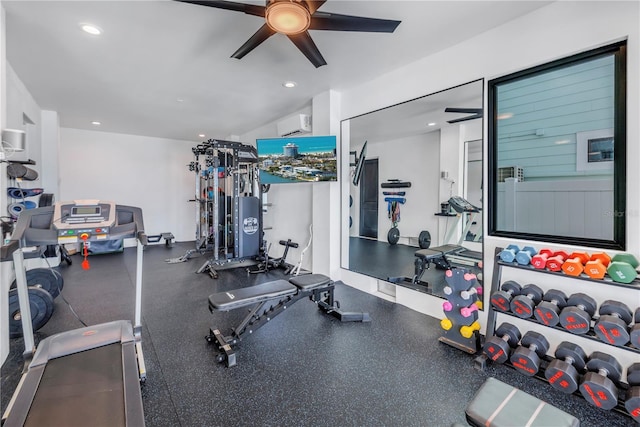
(302, 159)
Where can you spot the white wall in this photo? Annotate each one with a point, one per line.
(290, 212)
(415, 159)
(147, 172)
(5, 267)
(554, 31)
(23, 113)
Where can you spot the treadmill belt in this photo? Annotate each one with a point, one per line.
(82, 389)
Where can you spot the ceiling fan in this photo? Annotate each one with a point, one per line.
(475, 113)
(293, 18)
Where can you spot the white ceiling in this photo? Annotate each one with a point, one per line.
(414, 117)
(153, 53)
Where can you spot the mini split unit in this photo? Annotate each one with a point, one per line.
(295, 125)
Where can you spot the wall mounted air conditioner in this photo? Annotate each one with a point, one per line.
(511, 172)
(295, 125)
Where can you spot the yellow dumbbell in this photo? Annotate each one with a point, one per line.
(446, 324)
(467, 331)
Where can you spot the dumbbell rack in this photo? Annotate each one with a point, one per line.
(481, 361)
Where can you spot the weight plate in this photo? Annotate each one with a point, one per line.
(48, 279)
(393, 235)
(40, 304)
(424, 239)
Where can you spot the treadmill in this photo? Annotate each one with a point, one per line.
(464, 256)
(87, 376)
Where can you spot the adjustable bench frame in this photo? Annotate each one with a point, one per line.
(423, 260)
(437, 256)
(264, 311)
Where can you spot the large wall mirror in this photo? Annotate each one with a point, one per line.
(557, 142)
(405, 163)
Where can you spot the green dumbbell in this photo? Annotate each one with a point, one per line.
(623, 268)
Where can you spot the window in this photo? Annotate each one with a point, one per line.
(562, 126)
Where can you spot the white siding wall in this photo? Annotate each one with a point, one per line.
(547, 111)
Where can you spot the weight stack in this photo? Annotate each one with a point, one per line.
(460, 324)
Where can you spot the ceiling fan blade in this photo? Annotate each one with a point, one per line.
(463, 110)
(249, 9)
(336, 22)
(314, 5)
(464, 119)
(306, 45)
(261, 35)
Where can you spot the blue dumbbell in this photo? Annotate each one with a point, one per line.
(524, 256)
(509, 253)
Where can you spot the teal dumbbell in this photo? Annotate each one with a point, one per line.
(509, 253)
(525, 255)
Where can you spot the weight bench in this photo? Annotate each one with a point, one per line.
(168, 239)
(270, 299)
(437, 256)
(497, 404)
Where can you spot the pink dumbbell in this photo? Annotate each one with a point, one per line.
(468, 311)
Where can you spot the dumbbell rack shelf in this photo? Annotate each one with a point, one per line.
(540, 375)
(589, 335)
(481, 360)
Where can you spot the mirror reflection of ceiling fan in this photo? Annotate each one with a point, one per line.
(293, 18)
(474, 113)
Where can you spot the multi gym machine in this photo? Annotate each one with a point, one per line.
(228, 199)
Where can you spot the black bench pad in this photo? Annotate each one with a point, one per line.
(252, 295)
(437, 251)
(308, 282)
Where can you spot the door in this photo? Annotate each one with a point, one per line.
(369, 199)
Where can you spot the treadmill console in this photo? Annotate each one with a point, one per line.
(461, 205)
(86, 220)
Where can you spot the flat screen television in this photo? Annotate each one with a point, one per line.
(301, 159)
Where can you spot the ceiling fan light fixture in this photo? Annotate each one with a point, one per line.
(288, 17)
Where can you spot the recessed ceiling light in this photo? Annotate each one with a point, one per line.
(201, 135)
(180, 100)
(289, 84)
(91, 29)
(431, 124)
(96, 123)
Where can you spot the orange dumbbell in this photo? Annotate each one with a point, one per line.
(574, 265)
(596, 268)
